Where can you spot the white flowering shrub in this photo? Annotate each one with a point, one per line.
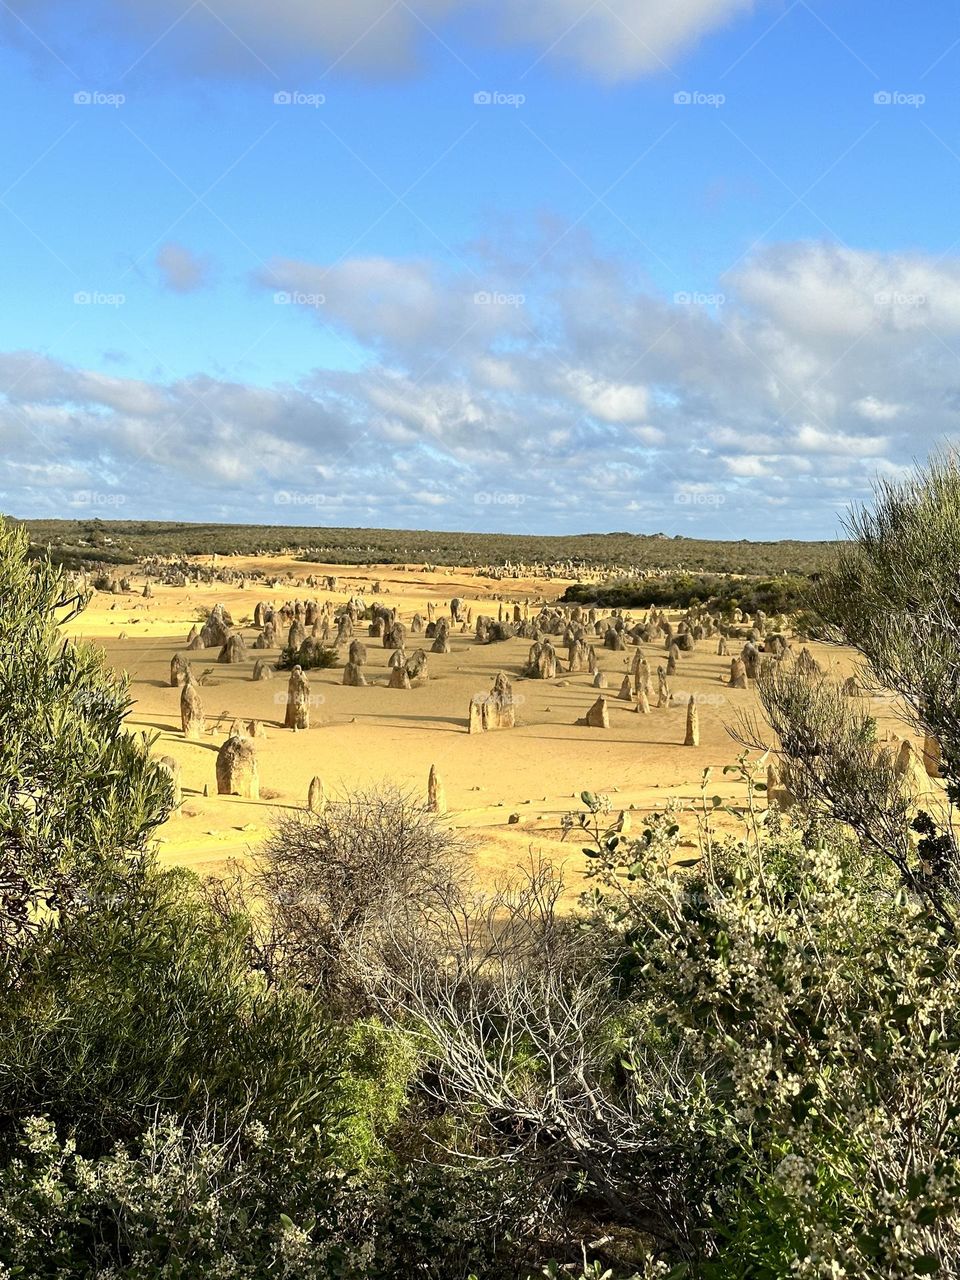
(795, 1035)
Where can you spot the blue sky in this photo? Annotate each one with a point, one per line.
(694, 267)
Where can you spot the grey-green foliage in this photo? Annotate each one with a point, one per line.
(790, 1030)
(79, 795)
(894, 595)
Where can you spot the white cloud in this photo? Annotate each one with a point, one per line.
(816, 440)
(875, 410)
(604, 396)
(608, 401)
(181, 270)
(614, 40)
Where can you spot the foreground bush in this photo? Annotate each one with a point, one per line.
(797, 1037)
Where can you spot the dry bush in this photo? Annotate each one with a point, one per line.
(324, 884)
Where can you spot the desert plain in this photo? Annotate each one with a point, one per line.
(508, 789)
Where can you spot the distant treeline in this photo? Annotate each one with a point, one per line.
(788, 593)
(77, 542)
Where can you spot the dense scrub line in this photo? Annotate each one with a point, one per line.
(74, 542)
(788, 593)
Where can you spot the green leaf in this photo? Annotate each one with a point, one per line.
(926, 1265)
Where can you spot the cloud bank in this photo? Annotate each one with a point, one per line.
(573, 399)
(612, 40)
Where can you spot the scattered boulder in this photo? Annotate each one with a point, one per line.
(692, 735)
(497, 710)
(436, 796)
(172, 767)
(237, 771)
(216, 630)
(395, 636)
(316, 796)
(179, 671)
(541, 661)
(298, 701)
(598, 717)
(353, 676)
(192, 718)
(417, 665)
(932, 757)
(234, 650)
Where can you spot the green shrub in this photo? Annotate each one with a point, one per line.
(316, 657)
(794, 1042)
(785, 594)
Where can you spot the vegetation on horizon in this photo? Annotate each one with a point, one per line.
(785, 594)
(77, 542)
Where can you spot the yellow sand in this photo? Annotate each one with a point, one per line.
(359, 736)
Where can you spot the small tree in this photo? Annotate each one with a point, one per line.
(79, 794)
(894, 596)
